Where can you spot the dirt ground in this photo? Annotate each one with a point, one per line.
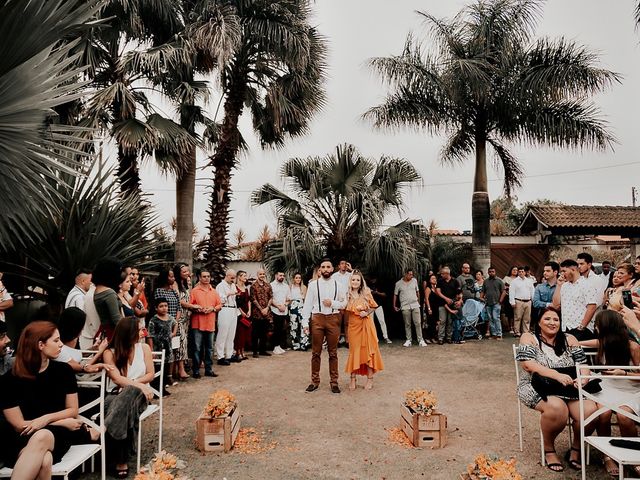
(327, 436)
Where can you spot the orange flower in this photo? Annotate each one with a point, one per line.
(220, 403)
(493, 468)
(421, 401)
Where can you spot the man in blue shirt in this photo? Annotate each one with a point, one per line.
(543, 294)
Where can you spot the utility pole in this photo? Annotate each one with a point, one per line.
(634, 195)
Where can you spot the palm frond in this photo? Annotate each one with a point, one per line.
(511, 167)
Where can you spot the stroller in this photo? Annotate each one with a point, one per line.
(472, 315)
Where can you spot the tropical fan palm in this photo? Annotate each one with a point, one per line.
(91, 221)
(36, 74)
(276, 70)
(489, 82)
(336, 206)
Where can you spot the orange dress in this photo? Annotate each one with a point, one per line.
(363, 340)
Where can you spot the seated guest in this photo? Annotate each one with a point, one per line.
(542, 353)
(130, 378)
(40, 403)
(616, 348)
(71, 323)
(6, 360)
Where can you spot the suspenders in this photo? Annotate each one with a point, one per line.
(335, 293)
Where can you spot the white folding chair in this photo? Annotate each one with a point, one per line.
(623, 456)
(520, 427)
(79, 454)
(158, 358)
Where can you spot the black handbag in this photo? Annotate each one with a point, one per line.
(546, 386)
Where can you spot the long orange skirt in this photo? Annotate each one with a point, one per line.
(363, 345)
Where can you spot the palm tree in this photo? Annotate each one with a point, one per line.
(277, 71)
(36, 73)
(132, 45)
(337, 206)
(488, 82)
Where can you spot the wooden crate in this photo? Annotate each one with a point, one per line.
(424, 431)
(217, 434)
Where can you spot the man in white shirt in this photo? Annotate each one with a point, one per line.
(227, 318)
(76, 296)
(407, 293)
(585, 262)
(576, 298)
(606, 274)
(325, 298)
(520, 296)
(279, 309)
(343, 276)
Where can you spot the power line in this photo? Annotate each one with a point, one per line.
(462, 182)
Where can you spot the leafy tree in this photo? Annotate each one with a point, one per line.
(36, 71)
(488, 82)
(276, 72)
(337, 206)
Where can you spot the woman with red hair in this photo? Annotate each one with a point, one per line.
(40, 402)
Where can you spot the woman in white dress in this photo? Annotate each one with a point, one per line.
(297, 292)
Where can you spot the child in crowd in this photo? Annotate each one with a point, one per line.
(70, 326)
(455, 309)
(162, 328)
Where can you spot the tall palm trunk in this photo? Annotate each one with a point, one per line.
(480, 209)
(223, 161)
(185, 193)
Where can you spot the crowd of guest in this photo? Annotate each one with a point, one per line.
(123, 317)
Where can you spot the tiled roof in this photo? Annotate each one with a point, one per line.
(567, 216)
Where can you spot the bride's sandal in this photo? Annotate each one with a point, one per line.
(369, 384)
(573, 463)
(554, 467)
(352, 383)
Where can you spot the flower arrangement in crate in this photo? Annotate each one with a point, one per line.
(164, 466)
(491, 467)
(220, 403)
(423, 402)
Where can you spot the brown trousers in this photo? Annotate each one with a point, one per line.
(324, 326)
(521, 317)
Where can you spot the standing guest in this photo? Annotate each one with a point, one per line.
(455, 312)
(543, 293)
(123, 296)
(529, 276)
(107, 278)
(6, 302)
(130, 377)
(6, 360)
(507, 309)
(577, 299)
(40, 401)
(636, 265)
(76, 296)
(520, 296)
(364, 354)
(446, 289)
(379, 296)
(227, 318)
(407, 294)
(71, 322)
(297, 292)
(279, 311)
(243, 329)
(432, 306)
(203, 324)
(162, 328)
(325, 298)
(585, 267)
(342, 276)
(182, 274)
(622, 279)
(606, 275)
(493, 293)
(261, 297)
(465, 282)
(542, 353)
(477, 285)
(167, 289)
(141, 306)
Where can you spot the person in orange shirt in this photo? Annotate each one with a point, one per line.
(203, 323)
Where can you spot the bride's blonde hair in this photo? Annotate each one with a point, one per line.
(363, 290)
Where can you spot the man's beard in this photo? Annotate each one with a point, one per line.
(326, 274)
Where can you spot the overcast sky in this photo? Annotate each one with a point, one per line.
(359, 29)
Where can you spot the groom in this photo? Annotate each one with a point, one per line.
(325, 298)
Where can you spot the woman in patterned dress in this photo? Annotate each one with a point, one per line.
(182, 273)
(168, 290)
(297, 292)
(542, 352)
